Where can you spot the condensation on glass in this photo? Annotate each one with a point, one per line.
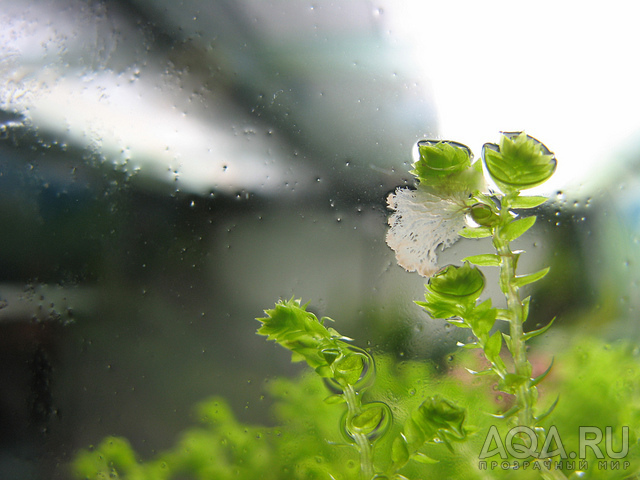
(170, 169)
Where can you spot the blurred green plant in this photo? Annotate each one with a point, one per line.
(307, 443)
(379, 418)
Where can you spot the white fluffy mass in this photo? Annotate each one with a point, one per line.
(421, 223)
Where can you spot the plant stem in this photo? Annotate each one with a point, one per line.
(364, 446)
(526, 394)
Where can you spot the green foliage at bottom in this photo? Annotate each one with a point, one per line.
(598, 385)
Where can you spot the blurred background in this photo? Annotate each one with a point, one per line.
(170, 169)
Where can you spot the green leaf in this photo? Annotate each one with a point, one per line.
(459, 282)
(477, 232)
(331, 355)
(542, 376)
(484, 215)
(424, 459)
(334, 399)
(324, 371)
(441, 159)
(453, 291)
(484, 260)
(442, 307)
(526, 303)
(507, 341)
(527, 202)
(519, 162)
(522, 280)
(540, 331)
(446, 167)
(517, 227)
(481, 373)
(349, 368)
(509, 413)
(458, 322)
(400, 451)
(493, 346)
(482, 319)
(369, 420)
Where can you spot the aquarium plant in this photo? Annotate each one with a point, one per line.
(335, 422)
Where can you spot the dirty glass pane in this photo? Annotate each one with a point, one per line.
(171, 170)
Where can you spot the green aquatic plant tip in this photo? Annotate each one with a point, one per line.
(447, 167)
(348, 371)
(519, 162)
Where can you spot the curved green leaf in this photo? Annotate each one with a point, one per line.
(475, 232)
(441, 159)
(527, 202)
(484, 260)
(519, 162)
(460, 282)
(542, 376)
(540, 331)
(516, 228)
(493, 346)
(522, 280)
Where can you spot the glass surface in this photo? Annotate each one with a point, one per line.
(169, 170)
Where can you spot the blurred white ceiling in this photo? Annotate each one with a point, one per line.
(270, 96)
